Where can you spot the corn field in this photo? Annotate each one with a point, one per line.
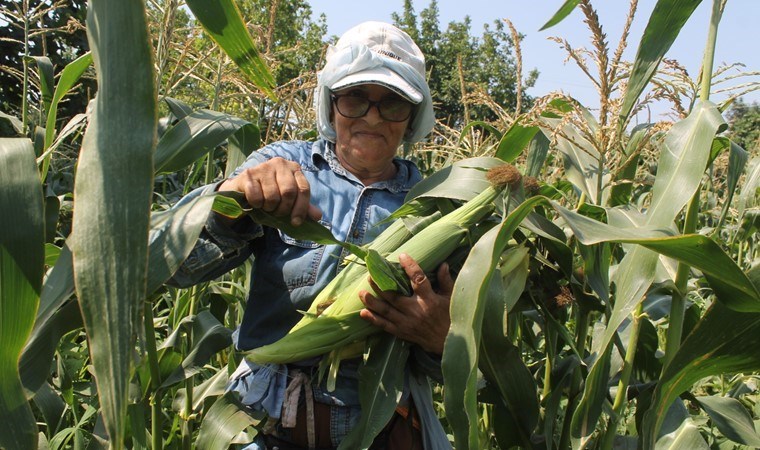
(609, 298)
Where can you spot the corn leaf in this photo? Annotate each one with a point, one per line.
(69, 77)
(382, 380)
(580, 159)
(178, 108)
(113, 194)
(478, 123)
(39, 353)
(229, 205)
(500, 361)
(172, 236)
(724, 341)
(51, 405)
(730, 283)
(460, 355)
(209, 337)
(386, 275)
(212, 387)
(195, 135)
(222, 423)
(748, 195)
(731, 418)
(514, 141)
(47, 79)
(684, 158)
(666, 21)
(560, 15)
(14, 122)
(462, 180)
(737, 162)
(22, 256)
(222, 21)
(239, 146)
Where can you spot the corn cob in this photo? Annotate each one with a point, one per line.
(339, 324)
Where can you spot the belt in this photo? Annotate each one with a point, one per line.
(307, 423)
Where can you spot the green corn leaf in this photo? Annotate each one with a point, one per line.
(39, 353)
(724, 341)
(478, 123)
(514, 141)
(222, 21)
(222, 423)
(47, 79)
(748, 195)
(229, 204)
(239, 146)
(460, 355)
(382, 380)
(684, 157)
(14, 122)
(22, 256)
(737, 162)
(212, 387)
(69, 77)
(666, 21)
(209, 337)
(730, 283)
(172, 236)
(387, 275)
(500, 361)
(195, 135)
(731, 418)
(50, 404)
(113, 192)
(560, 15)
(462, 180)
(178, 108)
(580, 159)
(538, 149)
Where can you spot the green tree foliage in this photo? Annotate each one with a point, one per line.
(56, 30)
(287, 32)
(484, 64)
(744, 121)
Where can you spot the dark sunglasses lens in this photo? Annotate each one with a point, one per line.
(395, 110)
(352, 107)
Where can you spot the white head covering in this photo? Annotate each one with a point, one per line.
(376, 53)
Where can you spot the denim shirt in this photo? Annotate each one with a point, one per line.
(287, 273)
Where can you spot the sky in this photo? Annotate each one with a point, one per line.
(738, 38)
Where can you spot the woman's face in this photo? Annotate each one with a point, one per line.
(366, 145)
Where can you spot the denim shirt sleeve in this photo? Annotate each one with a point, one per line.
(221, 246)
(426, 363)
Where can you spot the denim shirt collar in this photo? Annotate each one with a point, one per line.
(407, 174)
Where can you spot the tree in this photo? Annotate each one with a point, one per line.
(56, 30)
(744, 121)
(455, 58)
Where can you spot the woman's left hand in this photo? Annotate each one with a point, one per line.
(423, 318)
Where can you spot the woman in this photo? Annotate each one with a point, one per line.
(371, 97)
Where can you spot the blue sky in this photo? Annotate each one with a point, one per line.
(738, 35)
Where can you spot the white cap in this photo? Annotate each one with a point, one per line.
(376, 53)
(389, 42)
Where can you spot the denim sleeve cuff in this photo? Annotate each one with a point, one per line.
(427, 363)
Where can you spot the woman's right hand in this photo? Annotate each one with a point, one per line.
(276, 186)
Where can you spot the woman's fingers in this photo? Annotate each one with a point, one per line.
(277, 186)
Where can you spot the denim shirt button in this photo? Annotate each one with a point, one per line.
(356, 234)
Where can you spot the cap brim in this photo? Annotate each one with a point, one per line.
(384, 77)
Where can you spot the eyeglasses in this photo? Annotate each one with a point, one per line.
(390, 109)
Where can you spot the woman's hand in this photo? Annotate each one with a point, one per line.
(423, 318)
(276, 186)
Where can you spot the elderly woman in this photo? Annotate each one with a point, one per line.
(371, 97)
